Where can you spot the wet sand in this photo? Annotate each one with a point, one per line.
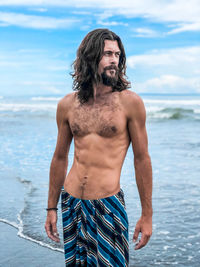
(16, 251)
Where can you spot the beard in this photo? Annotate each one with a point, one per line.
(107, 79)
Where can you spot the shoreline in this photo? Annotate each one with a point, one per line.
(17, 251)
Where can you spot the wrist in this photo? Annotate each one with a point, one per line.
(49, 209)
(147, 215)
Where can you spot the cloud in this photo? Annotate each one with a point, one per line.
(36, 22)
(102, 19)
(111, 23)
(173, 70)
(167, 80)
(177, 57)
(34, 70)
(164, 11)
(51, 87)
(186, 27)
(145, 32)
(169, 84)
(84, 13)
(104, 15)
(42, 10)
(183, 13)
(38, 60)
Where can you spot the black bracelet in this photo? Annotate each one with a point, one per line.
(52, 209)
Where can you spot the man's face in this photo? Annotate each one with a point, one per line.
(108, 65)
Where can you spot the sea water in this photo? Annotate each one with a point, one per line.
(28, 135)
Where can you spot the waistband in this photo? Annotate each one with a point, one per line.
(104, 206)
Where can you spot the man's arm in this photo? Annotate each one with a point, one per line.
(143, 169)
(58, 168)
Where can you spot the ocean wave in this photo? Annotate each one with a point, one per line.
(193, 145)
(20, 234)
(156, 109)
(20, 225)
(13, 224)
(24, 181)
(30, 110)
(42, 98)
(173, 113)
(16, 107)
(173, 102)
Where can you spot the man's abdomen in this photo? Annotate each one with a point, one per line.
(93, 184)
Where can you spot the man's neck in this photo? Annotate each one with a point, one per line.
(100, 90)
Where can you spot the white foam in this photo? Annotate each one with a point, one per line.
(152, 109)
(192, 236)
(13, 224)
(42, 98)
(21, 234)
(15, 107)
(182, 249)
(160, 115)
(166, 247)
(163, 232)
(172, 102)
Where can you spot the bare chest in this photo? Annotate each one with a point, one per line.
(105, 119)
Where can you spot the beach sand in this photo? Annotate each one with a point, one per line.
(18, 252)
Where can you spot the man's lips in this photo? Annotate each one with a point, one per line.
(112, 67)
(112, 71)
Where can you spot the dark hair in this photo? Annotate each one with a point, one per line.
(86, 64)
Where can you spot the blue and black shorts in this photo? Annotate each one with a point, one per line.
(95, 231)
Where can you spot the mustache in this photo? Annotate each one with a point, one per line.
(111, 67)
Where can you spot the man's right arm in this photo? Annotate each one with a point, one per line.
(142, 163)
(58, 167)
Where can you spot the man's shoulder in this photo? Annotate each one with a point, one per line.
(65, 105)
(67, 101)
(131, 99)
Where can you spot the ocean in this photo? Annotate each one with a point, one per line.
(28, 135)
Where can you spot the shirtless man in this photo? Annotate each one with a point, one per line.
(103, 117)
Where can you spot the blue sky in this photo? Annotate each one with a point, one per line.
(39, 39)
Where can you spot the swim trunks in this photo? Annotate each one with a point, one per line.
(95, 231)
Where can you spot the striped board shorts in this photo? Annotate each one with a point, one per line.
(95, 231)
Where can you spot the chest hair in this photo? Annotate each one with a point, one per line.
(100, 118)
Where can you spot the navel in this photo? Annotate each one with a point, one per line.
(83, 184)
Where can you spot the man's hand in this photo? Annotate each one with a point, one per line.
(50, 225)
(144, 225)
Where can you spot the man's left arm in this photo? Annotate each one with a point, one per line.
(143, 169)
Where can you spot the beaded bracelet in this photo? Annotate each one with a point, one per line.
(52, 209)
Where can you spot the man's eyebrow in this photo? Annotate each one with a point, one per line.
(108, 50)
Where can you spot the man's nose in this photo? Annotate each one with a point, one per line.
(114, 59)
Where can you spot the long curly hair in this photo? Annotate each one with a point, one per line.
(86, 64)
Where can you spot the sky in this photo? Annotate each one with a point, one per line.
(39, 40)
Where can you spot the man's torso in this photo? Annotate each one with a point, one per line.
(101, 141)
